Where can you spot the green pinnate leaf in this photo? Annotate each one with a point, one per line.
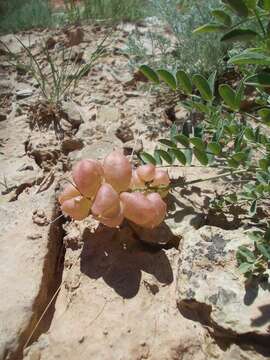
(245, 267)
(244, 254)
(182, 139)
(149, 73)
(265, 115)
(188, 154)
(180, 156)
(184, 82)
(239, 35)
(168, 78)
(198, 143)
(253, 208)
(228, 95)
(261, 79)
(215, 148)
(238, 6)
(147, 158)
(222, 17)
(209, 28)
(201, 156)
(203, 87)
(250, 58)
(264, 249)
(165, 155)
(167, 142)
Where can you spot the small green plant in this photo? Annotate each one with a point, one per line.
(56, 81)
(229, 138)
(60, 79)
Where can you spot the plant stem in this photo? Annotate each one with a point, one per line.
(260, 22)
(210, 178)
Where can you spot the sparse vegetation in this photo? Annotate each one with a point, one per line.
(24, 15)
(228, 137)
(180, 48)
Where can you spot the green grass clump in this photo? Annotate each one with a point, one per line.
(25, 15)
(114, 10)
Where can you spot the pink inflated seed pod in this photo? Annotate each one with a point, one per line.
(137, 207)
(159, 209)
(117, 171)
(114, 221)
(77, 208)
(107, 202)
(161, 178)
(69, 192)
(146, 172)
(87, 175)
(136, 182)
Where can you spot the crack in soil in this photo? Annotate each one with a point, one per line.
(51, 280)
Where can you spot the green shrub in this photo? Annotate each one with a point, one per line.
(228, 138)
(25, 15)
(179, 49)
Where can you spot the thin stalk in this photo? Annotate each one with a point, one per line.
(211, 178)
(260, 22)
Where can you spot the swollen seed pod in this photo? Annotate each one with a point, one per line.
(77, 208)
(107, 202)
(137, 208)
(114, 221)
(117, 171)
(87, 175)
(136, 182)
(161, 178)
(69, 192)
(146, 172)
(159, 208)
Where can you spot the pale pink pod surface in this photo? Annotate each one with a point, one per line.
(137, 207)
(77, 208)
(161, 178)
(69, 192)
(107, 202)
(136, 182)
(117, 171)
(159, 208)
(112, 222)
(87, 175)
(146, 172)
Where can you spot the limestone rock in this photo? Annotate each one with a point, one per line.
(211, 288)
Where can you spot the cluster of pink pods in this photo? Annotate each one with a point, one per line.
(113, 191)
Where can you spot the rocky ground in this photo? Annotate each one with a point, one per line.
(78, 290)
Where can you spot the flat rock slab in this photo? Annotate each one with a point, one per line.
(27, 267)
(210, 286)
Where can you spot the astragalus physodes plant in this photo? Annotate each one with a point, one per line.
(113, 191)
(231, 136)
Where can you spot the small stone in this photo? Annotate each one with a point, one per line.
(72, 144)
(21, 94)
(124, 133)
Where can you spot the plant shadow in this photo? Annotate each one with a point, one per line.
(117, 256)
